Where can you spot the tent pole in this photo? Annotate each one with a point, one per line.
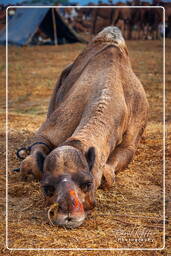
(54, 27)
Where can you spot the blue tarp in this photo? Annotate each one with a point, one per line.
(23, 25)
(8, 2)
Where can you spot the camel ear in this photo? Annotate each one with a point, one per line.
(90, 156)
(40, 160)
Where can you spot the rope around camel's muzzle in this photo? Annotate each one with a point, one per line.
(52, 207)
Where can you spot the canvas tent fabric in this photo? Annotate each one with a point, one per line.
(23, 25)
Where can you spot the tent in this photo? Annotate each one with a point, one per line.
(26, 21)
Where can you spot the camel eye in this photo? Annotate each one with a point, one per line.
(86, 186)
(49, 190)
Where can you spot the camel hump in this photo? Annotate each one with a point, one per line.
(110, 34)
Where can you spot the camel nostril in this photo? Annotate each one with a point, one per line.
(68, 219)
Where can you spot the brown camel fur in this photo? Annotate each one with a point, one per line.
(96, 117)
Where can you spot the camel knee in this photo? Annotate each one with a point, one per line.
(121, 157)
(109, 175)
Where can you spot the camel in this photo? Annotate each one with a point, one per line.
(96, 118)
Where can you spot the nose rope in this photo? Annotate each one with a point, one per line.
(52, 207)
(28, 149)
(77, 206)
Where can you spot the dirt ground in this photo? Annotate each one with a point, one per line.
(130, 215)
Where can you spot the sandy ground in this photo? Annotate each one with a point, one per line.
(130, 215)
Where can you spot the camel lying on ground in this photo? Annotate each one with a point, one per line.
(96, 117)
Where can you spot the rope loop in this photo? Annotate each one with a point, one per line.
(27, 150)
